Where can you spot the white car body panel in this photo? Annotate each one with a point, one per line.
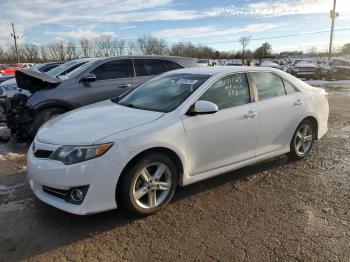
(206, 145)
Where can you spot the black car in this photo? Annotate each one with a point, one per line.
(92, 82)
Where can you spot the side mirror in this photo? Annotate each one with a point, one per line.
(88, 78)
(203, 107)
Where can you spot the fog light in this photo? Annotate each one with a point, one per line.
(76, 195)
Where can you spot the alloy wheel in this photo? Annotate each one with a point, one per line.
(152, 185)
(303, 139)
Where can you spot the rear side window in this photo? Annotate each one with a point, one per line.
(170, 65)
(148, 67)
(229, 91)
(115, 69)
(269, 85)
(290, 88)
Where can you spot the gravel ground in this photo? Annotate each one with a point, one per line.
(274, 211)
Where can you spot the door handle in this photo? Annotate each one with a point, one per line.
(250, 114)
(125, 85)
(298, 102)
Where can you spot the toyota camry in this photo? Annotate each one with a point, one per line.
(176, 129)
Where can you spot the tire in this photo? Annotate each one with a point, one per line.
(302, 140)
(42, 117)
(138, 191)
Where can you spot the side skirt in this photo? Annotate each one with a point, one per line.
(187, 180)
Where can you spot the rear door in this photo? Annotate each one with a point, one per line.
(112, 79)
(146, 69)
(279, 111)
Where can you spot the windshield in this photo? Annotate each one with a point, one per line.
(61, 68)
(164, 93)
(80, 69)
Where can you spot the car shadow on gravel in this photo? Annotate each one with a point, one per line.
(54, 228)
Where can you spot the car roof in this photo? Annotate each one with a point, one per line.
(223, 70)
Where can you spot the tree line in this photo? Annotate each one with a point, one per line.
(107, 45)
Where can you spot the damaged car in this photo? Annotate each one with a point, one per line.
(338, 69)
(92, 82)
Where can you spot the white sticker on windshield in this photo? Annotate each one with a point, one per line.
(187, 81)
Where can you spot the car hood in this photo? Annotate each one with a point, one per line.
(302, 64)
(34, 80)
(87, 125)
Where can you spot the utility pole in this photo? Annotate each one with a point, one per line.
(15, 37)
(333, 15)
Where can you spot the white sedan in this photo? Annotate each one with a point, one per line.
(179, 128)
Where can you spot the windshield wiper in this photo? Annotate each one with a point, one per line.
(128, 105)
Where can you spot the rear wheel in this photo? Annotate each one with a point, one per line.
(302, 140)
(148, 185)
(42, 117)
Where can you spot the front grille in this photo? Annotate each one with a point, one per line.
(60, 193)
(43, 153)
(306, 69)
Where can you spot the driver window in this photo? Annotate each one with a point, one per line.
(229, 91)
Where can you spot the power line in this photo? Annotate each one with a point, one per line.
(276, 37)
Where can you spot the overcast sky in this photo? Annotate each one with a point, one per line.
(198, 21)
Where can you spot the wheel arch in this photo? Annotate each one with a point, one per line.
(52, 103)
(314, 121)
(164, 150)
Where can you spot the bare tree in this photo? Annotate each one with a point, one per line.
(312, 50)
(149, 45)
(31, 53)
(71, 50)
(244, 41)
(119, 46)
(104, 45)
(131, 47)
(87, 47)
(43, 53)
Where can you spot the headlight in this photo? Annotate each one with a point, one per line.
(74, 154)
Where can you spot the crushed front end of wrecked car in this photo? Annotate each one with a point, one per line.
(19, 116)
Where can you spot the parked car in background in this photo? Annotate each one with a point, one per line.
(179, 128)
(9, 70)
(94, 81)
(26, 65)
(9, 87)
(269, 63)
(338, 69)
(305, 69)
(234, 63)
(5, 78)
(204, 62)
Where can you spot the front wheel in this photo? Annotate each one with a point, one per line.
(302, 140)
(42, 117)
(148, 185)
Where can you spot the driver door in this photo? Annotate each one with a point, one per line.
(227, 136)
(112, 79)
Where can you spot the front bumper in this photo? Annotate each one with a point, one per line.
(100, 174)
(305, 74)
